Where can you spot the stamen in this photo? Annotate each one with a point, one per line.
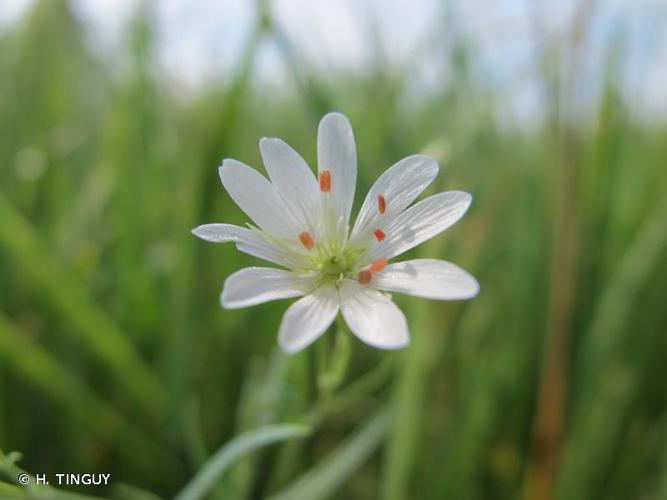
(325, 181)
(365, 277)
(306, 240)
(379, 234)
(382, 204)
(378, 265)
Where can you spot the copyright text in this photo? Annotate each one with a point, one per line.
(63, 479)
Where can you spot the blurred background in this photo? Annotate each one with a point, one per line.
(115, 356)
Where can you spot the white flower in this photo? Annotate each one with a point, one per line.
(302, 224)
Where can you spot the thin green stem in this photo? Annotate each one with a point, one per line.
(331, 368)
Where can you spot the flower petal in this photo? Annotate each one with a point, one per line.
(429, 278)
(419, 223)
(373, 317)
(337, 153)
(219, 233)
(307, 319)
(258, 198)
(293, 179)
(398, 186)
(246, 241)
(255, 285)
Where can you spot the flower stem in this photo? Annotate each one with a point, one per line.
(332, 364)
(337, 363)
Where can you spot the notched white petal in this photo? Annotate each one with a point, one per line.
(337, 153)
(421, 222)
(218, 233)
(428, 278)
(256, 285)
(258, 198)
(373, 317)
(247, 241)
(399, 186)
(293, 178)
(307, 319)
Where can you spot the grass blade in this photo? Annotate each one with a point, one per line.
(31, 362)
(31, 491)
(324, 478)
(235, 449)
(91, 325)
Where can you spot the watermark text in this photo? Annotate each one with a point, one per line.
(65, 479)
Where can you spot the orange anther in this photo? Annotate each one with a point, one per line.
(379, 234)
(365, 277)
(382, 204)
(378, 265)
(306, 240)
(325, 181)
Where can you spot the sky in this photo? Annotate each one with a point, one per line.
(202, 39)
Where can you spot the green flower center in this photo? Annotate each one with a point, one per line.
(335, 266)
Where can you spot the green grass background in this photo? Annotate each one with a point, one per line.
(115, 356)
